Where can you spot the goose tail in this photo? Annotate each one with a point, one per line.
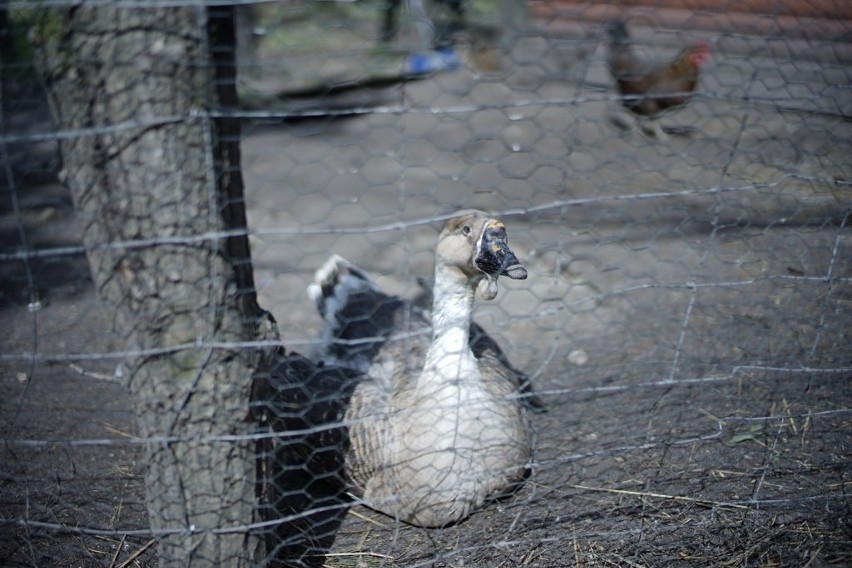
(334, 283)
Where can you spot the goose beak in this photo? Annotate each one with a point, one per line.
(494, 256)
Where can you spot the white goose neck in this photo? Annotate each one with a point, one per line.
(450, 367)
(452, 305)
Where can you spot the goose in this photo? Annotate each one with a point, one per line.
(438, 423)
(302, 496)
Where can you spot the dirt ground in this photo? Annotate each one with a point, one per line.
(687, 317)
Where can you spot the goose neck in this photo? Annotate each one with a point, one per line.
(452, 306)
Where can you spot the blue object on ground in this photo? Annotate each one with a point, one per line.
(429, 62)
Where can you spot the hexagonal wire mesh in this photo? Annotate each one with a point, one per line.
(685, 321)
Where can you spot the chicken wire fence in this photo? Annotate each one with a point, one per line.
(686, 320)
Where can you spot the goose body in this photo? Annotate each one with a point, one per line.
(437, 424)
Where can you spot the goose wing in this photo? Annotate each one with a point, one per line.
(491, 357)
(366, 328)
(300, 469)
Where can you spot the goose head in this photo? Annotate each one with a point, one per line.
(477, 247)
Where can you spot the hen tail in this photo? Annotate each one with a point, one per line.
(618, 33)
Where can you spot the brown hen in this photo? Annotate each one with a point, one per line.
(646, 90)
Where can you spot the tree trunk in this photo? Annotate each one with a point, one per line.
(155, 181)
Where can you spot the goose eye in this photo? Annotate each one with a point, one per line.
(466, 230)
